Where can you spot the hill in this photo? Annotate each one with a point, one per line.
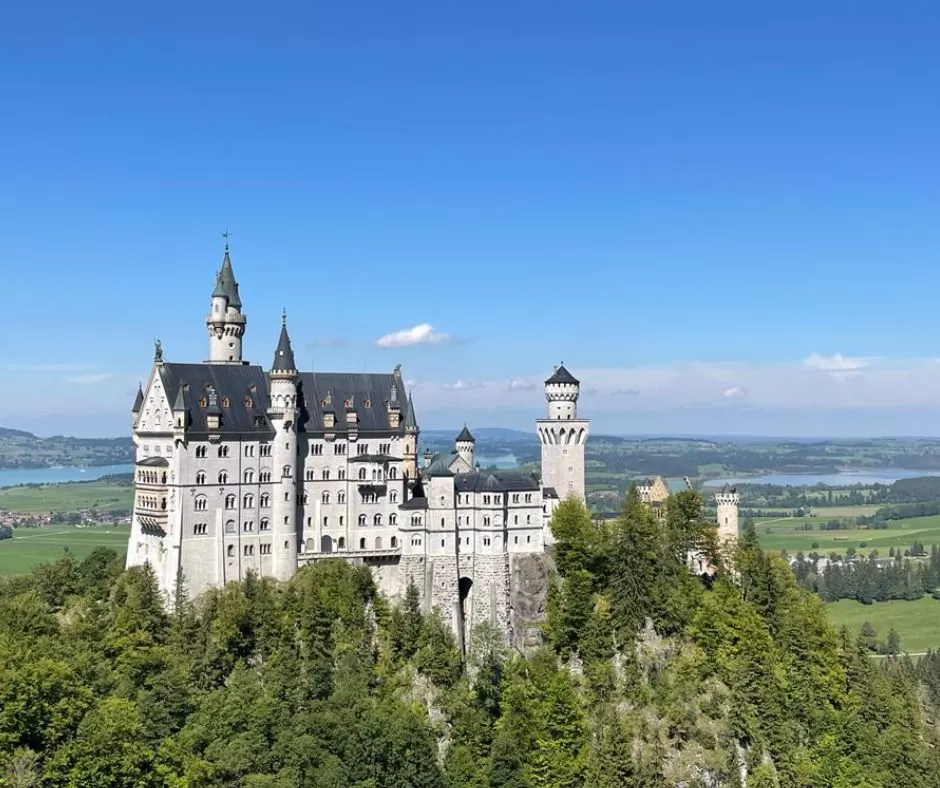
(21, 449)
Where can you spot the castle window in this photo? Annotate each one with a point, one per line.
(249, 501)
(286, 519)
(223, 477)
(341, 474)
(515, 519)
(362, 448)
(443, 542)
(339, 448)
(265, 500)
(264, 476)
(486, 521)
(362, 519)
(486, 541)
(248, 404)
(200, 529)
(393, 519)
(486, 499)
(305, 499)
(249, 476)
(287, 496)
(341, 521)
(342, 543)
(362, 474)
(393, 473)
(201, 477)
(231, 551)
(316, 449)
(264, 549)
(200, 451)
(528, 519)
(515, 540)
(326, 522)
(248, 526)
(229, 501)
(265, 524)
(394, 541)
(326, 474)
(230, 527)
(341, 496)
(325, 497)
(201, 503)
(497, 499)
(416, 519)
(249, 549)
(377, 520)
(223, 451)
(393, 496)
(265, 450)
(385, 448)
(287, 545)
(528, 498)
(285, 471)
(515, 498)
(362, 544)
(442, 522)
(309, 475)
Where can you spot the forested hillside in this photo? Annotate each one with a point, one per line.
(649, 677)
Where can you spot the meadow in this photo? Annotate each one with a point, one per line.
(32, 546)
(66, 497)
(917, 621)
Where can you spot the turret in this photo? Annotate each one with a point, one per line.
(283, 415)
(727, 500)
(562, 390)
(563, 436)
(464, 446)
(225, 322)
(138, 406)
(410, 455)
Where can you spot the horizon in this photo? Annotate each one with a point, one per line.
(722, 218)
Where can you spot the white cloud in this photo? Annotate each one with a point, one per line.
(838, 367)
(95, 377)
(733, 392)
(421, 334)
(462, 385)
(521, 385)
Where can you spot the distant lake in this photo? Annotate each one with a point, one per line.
(841, 479)
(501, 461)
(13, 477)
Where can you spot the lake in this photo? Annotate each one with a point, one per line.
(500, 461)
(10, 477)
(841, 479)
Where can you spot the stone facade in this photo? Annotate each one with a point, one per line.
(241, 469)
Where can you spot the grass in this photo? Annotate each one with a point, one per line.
(66, 497)
(783, 534)
(32, 546)
(916, 621)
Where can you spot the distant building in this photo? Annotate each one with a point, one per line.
(241, 469)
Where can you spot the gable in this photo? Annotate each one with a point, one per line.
(155, 415)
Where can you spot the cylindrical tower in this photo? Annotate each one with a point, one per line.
(283, 415)
(225, 321)
(410, 452)
(563, 436)
(726, 501)
(562, 390)
(464, 446)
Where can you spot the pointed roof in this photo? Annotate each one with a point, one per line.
(562, 375)
(410, 420)
(465, 436)
(225, 284)
(284, 355)
(180, 402)
(138, 400)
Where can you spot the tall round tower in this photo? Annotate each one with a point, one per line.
(563, 435)
(726, 501)
(464, 446)
(283, 415)
(225, 321)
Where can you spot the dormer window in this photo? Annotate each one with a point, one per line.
(226, 403)
(367, 403)
(249, 403)
(203, 402)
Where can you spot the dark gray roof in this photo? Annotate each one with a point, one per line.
(241, 394)
(465, 435)
(562, 375)
(154, 462)
(138, 400)
(225, 284)
(372, 458)
(549, 492)
(180, 402)
(728, 489)
(284, 355)
(365, 393)
(410, 421)
(415, 503)
(439, 465)
(496, 481)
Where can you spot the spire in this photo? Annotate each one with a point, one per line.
(139, 399)
(284, 355)
(465, 436)
(225, 284)
(180, 401)
(410, 421)
(562, 375)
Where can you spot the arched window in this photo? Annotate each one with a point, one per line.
(201, 503)
(416, 519)
(326, 474)
(325, 497)
(342, 543)
(341, 496)
(375, 475)
(393, 519)
(393, 496)
(326, 544)
(285, 471)
(223, 477)
(223, 451)
(378, 543)
(265, 524)
(249, 501)
(229, 501)
(230, 527)
(377, 520)
(265, 500)
(394, 541)
(249, 476)
(200, 451)
(201, 477)
(392, 473)
(309, 474)
(362, 474)
(231, 551)
(362, 519)
(305, 499)
(362, 544)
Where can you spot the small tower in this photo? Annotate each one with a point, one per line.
(225, 322)
(464, 446)
(283, 415)
(563, 435)
(138, 406)
(727, 502)
(410, 455)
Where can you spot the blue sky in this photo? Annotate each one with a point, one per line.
(724, 217)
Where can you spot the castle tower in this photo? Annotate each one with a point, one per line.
(464, 446)
(283, 415)
(563, 435)
(225, 322)
(410, 458)
(727, 502)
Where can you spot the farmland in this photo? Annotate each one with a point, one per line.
(67, 497)
(917, 621)
(32, 546)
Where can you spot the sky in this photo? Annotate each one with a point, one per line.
(723, 217)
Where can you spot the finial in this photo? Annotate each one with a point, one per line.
(284, 317)
(225, 235)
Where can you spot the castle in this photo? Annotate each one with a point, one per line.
(241, 469)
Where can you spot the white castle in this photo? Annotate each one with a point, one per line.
(244, 470)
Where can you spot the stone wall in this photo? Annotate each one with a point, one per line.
(529, 580)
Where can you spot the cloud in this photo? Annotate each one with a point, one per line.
(327, 342)
(462, 385)
(95, 377)
(421, 334)
(631, 392)
(521, 385)
(837, 366)
(733, 392)
(49, 367)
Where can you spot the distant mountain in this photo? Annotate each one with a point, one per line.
(21, 449)
(481, 433)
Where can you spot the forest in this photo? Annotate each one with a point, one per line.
(649, 676)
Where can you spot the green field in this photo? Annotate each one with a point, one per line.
(784, 534)
(917, 622)
(31, 546)
(66, 497)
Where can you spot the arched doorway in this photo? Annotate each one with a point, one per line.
(464, 587)
(326, 544)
